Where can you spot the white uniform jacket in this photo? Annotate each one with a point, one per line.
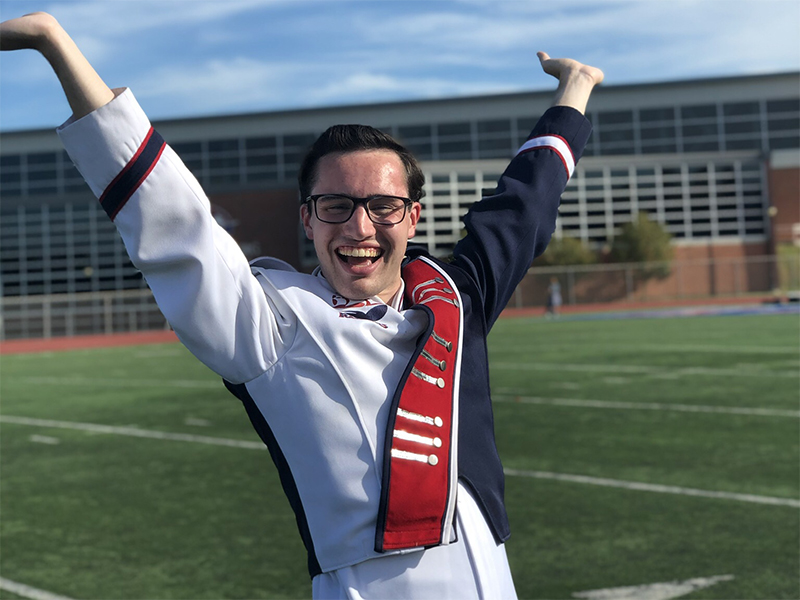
(317, 381)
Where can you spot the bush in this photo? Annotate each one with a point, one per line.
(644, 241)
(566, 251)
(788, 256)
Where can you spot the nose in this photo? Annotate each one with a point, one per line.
(360, 226)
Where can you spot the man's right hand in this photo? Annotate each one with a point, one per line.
(84, 89)
(29, 32)
(575, 80)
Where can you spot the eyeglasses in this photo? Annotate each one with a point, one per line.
(338, 208)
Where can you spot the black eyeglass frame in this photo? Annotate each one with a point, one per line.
(360, 201)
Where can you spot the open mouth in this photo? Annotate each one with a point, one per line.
(358, 256)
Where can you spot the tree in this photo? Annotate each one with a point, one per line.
(566, 251)
(644, 240)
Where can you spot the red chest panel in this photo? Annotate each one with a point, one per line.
(418, 503)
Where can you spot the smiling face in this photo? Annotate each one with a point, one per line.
(359, 258)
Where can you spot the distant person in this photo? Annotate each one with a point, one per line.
(553, 297)
(367, 379)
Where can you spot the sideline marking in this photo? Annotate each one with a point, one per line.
(507, 396)
(654, 487)
(653, 591)
(87, 342)
(215, 441)
(27, 591)
(642, 369)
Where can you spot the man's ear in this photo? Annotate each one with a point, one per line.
(414, 212)
(305, 217)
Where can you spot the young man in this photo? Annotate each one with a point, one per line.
(367, 380)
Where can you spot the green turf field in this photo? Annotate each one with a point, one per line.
(687, 405)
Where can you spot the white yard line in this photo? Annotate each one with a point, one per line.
(653, 591)
(201, 439)
(507, 396)
(715, 349)
(653, 487)
(134, 432)
(120, 381)
(643, 369)
(708, 348)
(26, 591)
(45, 439)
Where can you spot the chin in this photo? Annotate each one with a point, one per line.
(359, 292)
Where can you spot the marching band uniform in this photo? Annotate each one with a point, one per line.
(377, 416)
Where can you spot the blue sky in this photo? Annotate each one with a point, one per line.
(190, 57)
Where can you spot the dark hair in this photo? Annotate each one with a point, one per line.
(353, 138)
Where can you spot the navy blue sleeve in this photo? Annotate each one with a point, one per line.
(507, 230)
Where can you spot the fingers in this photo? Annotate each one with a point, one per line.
(566, 67)
(550, 66)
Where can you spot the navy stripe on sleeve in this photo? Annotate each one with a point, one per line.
(135, 172)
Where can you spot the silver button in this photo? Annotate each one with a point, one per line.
(438, 421)
(432, 460)
(440, 382)
(437, 442)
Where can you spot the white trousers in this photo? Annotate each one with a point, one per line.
(473, 567)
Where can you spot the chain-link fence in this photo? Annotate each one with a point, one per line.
(55, 315)
(679, 281)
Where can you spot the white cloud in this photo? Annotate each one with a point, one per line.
(192, 56)
(215, 84)
(688, 37)
(110, 19)
(243, 84)
(368, 87)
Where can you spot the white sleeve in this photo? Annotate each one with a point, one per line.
(201, 280)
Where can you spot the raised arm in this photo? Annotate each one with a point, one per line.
(199, 276)
(84, 89)
(507, 230)
(575, 80)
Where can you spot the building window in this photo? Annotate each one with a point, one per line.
(295, 148)
(261, 159)
(418, 139)
(700, 128)
(70, 177)
(223, 162)
(42, 173)
(191, 153)
(11, 175)
(66, 248)
(455, 141)
(783, 123)
(494, 139)
(657, 130)
(616, 132)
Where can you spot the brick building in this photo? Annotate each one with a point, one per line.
(716, 161)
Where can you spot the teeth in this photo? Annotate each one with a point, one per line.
(359, 252)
